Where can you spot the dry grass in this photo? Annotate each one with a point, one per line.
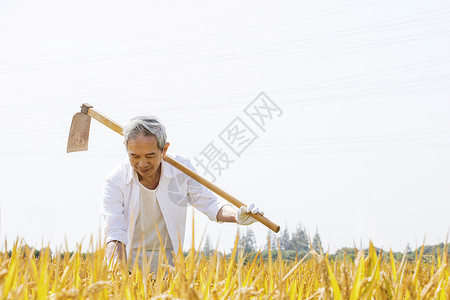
(371, 276)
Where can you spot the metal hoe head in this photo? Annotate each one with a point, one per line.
(79, 130)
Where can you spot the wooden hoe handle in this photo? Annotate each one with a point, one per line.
(89, 110)
(271, 225)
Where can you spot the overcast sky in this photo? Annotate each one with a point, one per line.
(358, 148)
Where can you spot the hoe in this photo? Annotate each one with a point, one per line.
(79, 139)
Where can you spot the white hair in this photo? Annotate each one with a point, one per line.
(145, 125)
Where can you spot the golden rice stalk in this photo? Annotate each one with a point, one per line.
(315, 276)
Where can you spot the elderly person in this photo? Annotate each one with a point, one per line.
(145, 199)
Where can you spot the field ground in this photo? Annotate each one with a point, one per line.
(370, 275)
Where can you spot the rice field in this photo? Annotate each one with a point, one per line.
(370, 275)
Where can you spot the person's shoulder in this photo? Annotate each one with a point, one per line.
(180, 158)
(185, 161)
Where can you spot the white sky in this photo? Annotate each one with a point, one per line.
(361, 151)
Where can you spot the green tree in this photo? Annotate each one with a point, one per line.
(285, 240)
(249, 241)
(207, 248)
(317, 243)
(299, 240)
(271, 236)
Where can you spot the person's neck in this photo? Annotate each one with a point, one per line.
(151, 182)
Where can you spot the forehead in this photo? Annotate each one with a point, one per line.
(142, 143)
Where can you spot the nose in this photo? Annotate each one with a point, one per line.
(142, 163)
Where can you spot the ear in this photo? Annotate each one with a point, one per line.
(166, 146)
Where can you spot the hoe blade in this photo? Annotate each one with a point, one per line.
(79, 133)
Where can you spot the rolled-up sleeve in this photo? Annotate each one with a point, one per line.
(112, 210)
(202, 198)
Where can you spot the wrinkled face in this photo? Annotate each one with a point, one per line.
(144, 154)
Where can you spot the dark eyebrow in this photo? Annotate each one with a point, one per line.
(151, 153)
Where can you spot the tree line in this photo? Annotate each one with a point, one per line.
(292, 244)
(296, 244)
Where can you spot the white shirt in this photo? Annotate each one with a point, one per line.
(149, 223)
(121, 194)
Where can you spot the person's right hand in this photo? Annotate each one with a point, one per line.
(244, 214)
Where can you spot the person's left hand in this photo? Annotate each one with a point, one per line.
(243, 216)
